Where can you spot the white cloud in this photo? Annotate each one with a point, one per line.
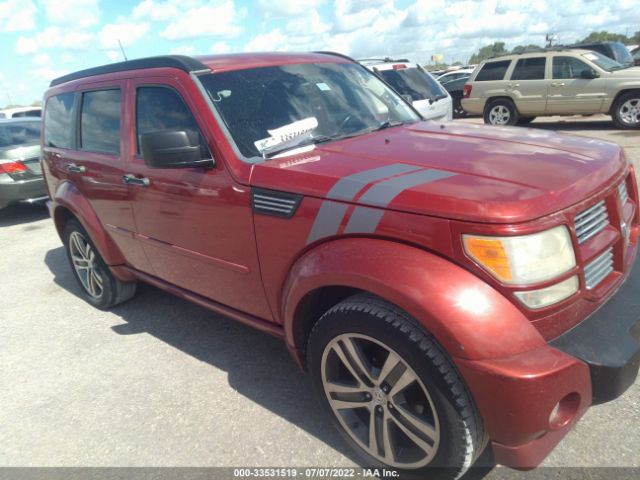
(53, 37)
(308, 25)
(161, 11)
(42, 59)
(286, 8)
(220, 47)
(203, 21)
(126, 33)
(272, 41)
(75, 13)
(17, 15)
(183, 50)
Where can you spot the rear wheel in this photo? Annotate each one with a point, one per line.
(392, 391)
(626, 111)
(99, 287)
(500, 112)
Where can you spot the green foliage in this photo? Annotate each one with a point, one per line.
(605, 36)
(525, 48)
(488, 51)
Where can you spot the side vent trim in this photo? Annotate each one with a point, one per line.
(274, 203)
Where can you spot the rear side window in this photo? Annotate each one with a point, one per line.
(529, 69)
(58, 121)
(162, 108)
(493, 71)
(100, 121)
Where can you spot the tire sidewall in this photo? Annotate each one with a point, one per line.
(513, 112)
(108, 281)
(447, 460)
(617, 117)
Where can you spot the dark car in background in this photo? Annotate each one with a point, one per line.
(614, 50)
(635, 53)
(20, 174)
(456, 90)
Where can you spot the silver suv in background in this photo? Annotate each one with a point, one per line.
(515, 89)
(416, 85)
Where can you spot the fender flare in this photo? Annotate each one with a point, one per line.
(469, 318)
(67, 196)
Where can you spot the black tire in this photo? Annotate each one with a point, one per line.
(458, 111)
(464, 437)
(112, 291)
(525, 120)
(507, 113)
(621, 113)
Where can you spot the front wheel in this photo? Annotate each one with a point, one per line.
(392, 391)
(626, 111)
(500, 112)
(99, 286)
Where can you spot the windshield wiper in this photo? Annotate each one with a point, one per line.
(385, 125)
(304, 142)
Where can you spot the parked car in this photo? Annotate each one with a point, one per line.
(456, 91)
(614, 50)
(416, 85)
(20, 173)
(454, 75)
(18, 112)
(515, 89)
(635, 53)
(444, 284)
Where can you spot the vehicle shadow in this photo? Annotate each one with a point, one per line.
(20, 213)
(258, 366)
(570, 124)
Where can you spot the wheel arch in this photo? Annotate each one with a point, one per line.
(69, 203)
(623, 91)
(467, 317)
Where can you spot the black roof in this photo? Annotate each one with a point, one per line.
(182, 62)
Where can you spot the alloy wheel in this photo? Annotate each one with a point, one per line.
(630, 111)
(380, 401)
(85, 264)
(499, 115)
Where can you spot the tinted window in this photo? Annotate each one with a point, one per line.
(568, 67)
(160, 108)
(621, 53)
(58, 121)
(413, 82)
(100, 121)
(28, 113)
(493, 71)
(529, 69)
(600, 49)
(19, 133)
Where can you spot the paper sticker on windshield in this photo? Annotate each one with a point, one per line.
(323, 86)
(286, 133)
(590, 56)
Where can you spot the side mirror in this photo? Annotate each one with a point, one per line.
(589, 73)
(171, 149)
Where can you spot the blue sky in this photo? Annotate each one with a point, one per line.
(42, 39)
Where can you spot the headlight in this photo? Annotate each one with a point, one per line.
(525, 259)
(549, 295)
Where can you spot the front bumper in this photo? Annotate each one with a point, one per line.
(23, 190)
(609, 341)
(530, 401)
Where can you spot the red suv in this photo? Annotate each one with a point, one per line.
(445, 285)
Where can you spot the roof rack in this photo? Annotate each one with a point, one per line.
(181, 62)
(335, 54)
(384, 60)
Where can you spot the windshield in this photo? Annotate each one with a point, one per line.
(414, 83)
(603, 62)
(270, 107)
(19, 133)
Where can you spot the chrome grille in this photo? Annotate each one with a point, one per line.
(623, 194)
(591, 221)
(598, 269)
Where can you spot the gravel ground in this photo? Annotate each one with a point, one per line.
(160, 382)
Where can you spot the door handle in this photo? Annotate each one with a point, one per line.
(73, 168)
(513, 85)
(557, 84)
(131, 179)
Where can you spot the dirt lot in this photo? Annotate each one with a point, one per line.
(161, 382)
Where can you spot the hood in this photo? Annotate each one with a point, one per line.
(477, 173)
(631, 72)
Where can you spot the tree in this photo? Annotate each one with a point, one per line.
(525, 48)
(604, 36)
(636, 38)
(488, 51)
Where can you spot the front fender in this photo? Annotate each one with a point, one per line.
(67, 196)
(469, 318)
